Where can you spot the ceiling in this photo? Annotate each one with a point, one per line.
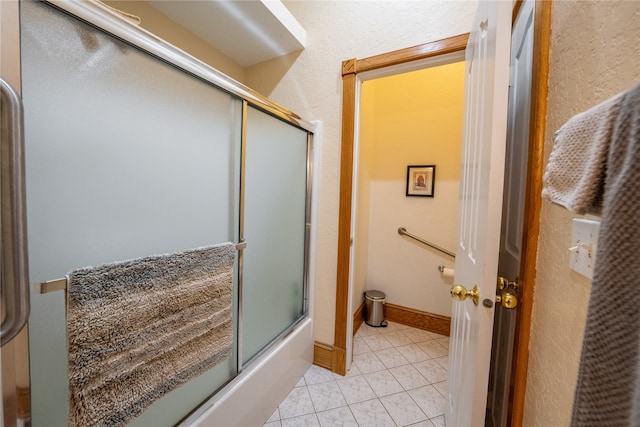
(248, 31)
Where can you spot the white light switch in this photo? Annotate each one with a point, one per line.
(584, 244)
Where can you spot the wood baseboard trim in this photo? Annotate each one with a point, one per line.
(334, 358)
(358, 318)
(322, 355)
(330, 357)
(417, 319)
(24, 403)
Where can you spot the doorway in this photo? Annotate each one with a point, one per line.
(351, 70)
(410, 125)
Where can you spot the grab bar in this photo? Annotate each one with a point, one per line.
(15, 270)
(403, 232)
(61, 284)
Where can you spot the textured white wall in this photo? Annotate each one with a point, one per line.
(594, 54)
(310, 83)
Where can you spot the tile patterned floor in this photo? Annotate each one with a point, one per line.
(398, 378)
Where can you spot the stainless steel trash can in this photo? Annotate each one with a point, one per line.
(374, 308)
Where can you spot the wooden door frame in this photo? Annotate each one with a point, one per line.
(350, 70)
(533, 201)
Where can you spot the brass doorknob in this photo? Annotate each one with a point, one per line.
(460, 293)
(507, 299)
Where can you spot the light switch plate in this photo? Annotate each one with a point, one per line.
(584, 245)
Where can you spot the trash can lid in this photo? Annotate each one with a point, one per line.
(374, 295)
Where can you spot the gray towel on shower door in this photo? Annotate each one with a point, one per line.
(140, 328)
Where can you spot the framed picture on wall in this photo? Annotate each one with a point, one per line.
(420, 180)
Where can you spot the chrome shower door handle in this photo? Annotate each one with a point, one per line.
(15, 270)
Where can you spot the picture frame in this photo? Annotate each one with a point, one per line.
(420, 180)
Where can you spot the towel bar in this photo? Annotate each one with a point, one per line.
(403, 232)
(61, 284)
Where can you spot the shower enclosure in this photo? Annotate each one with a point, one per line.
(133, 148)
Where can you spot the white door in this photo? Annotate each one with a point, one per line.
(487, 81)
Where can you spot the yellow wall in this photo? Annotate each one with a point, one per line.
(413, 118)
(416, 115)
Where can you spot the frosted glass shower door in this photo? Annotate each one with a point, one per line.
(275, 199)
(126, 156)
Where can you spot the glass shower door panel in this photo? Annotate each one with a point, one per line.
(274, 227)
(126, 156)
